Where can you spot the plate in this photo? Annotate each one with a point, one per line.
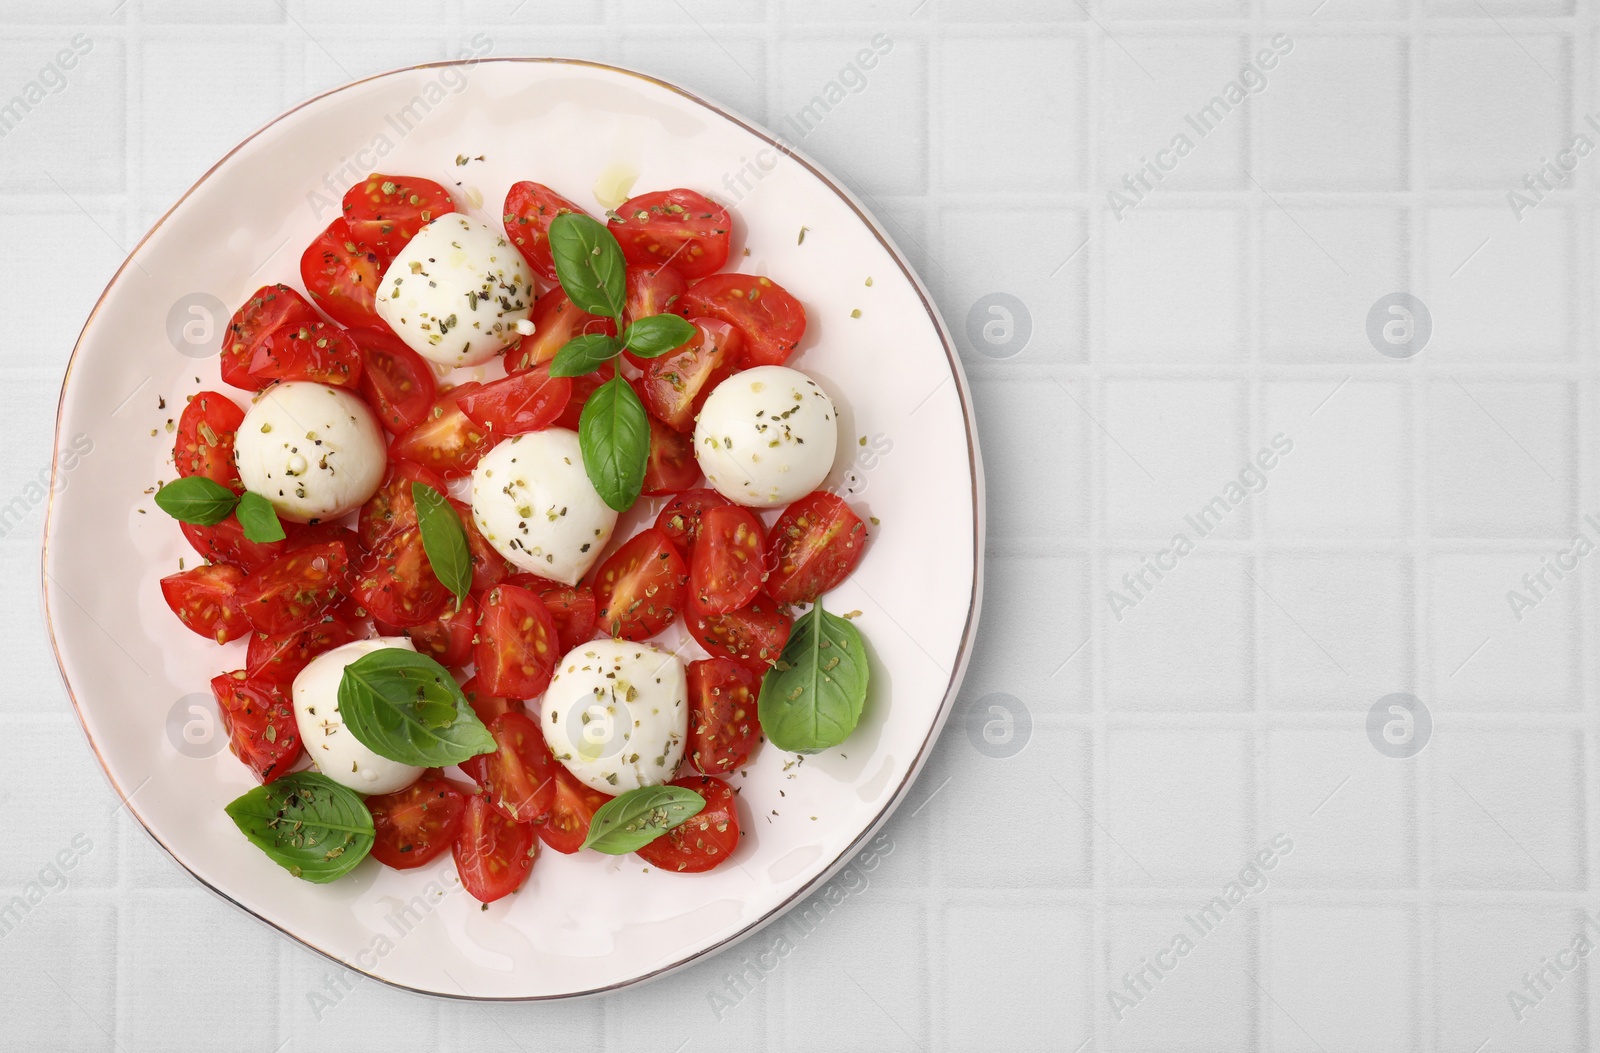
(908, 456)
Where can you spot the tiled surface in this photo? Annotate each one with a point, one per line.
(1152, 728)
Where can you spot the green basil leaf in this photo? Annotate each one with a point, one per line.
(444, 539)
(196, 499)
(260, 522)
(811, 699)
(584, 354)
(629, 822)
(614, 434)
(306, 823)
(656, 335)
(589, 264)
(407, 707)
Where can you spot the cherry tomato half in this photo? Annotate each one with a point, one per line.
(204, 445)
(487, 706)
(708, 838)
(520, 777)
(342, 276)
(570, 813)
(672, 466)
(206, 599)
(225, 542)
(386, 211)
(414, 826)
(516, 648)
(318, 352)
(493, 854)
(279, 657)
(728, 563)
(770, 320)
(679, 227)
(753, 636)
(530, 209)
(638, 590)
(396, 381)
(723, 728)
(555, 321)
(447, 440)
(391, 507)
(650, 291)
(260, 721)
(396, 583)
(293, 590)
(519, 403)
(813, 546)
(676, 384)
(447, 639)
(582, 388)
(680, 519)
(273, 307)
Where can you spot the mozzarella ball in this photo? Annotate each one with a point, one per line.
(332, 747)
(314, 451)
(766, 437)
(535, 504)
(456, 292)
(616, 714)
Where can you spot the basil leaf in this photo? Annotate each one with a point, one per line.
(589, 264)
(811, 699)
(260, 522)
(196, 499)
(614, 434)
(658, 334)
(444, 539)
(584, 354)
(306, 823)
(629, 822)
(408, 708)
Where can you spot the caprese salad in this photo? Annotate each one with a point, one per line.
(410, 509)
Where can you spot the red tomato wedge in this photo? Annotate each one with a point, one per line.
(530, 209)
(279, 657)
(556, 321)
(638, 590)
(516, 647)
(396, 583)
(677, 227)
(416, 825)
(386, 211)
(447, 440)
(273, 307)
(753, 636)
(680, 519)
(770, 320)
(573, 610)
(391, 508)
(706, 840)
(493, 854)
(225, 543)
(651, 291)
(520, 777)
(260, 721)
(728, 564)
(206, 599)
(447, 639)
(204, 445)
(487, 706)
(570, 813)
(396, 381)
(676, 384)
(293, 590)
(813, 546)
(672, 466)
(318, 352)
(342, 276)
(723, 728)
(519, 403)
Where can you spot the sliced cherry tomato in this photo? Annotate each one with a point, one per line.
(206, 599)
(447, 440)
(391, 508)
(319, 352)
(493, 854)
(572, 608)
(293, 590)
(753, 636)
(813, 546)
(386, 211)
(530, 209)
(396, 381)
(520, 777)
(260, 721)
(728, 564)
(679, 227)
(555, 322)
(570, 813)
(676, 384)
(707, 839)
(723, 728)
(279, 657)
(487, 706)
(516, 647)
(416, 825)
(672, 466)
(205, 439)
(582, 388)
(680, 520)
(225, 542)
(447, 639)
(519, 403)
(273, 307)
(770, 320)
(342, 276)
(489, 567)
(396, 583)
(638, 590)
(651, 291)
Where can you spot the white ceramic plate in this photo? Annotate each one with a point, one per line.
(139, 681)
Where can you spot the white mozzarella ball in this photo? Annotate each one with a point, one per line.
(332, 747)
(766, 436)
(535, 504)
(616, 714)
(316, 452)
(456, 293)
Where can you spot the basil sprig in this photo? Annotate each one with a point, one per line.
(407, 707)
(444, 539)
(613, 431)
(306, 823)
(632, 820)
(811, 699)
(206, 502)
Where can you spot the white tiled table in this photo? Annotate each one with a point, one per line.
(1107, 776)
